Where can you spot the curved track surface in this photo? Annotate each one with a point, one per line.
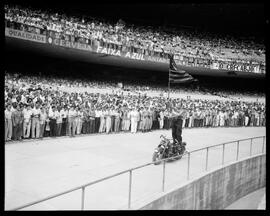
(38, 168)
(250, 201)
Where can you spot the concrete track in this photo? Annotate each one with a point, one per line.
(39, 168)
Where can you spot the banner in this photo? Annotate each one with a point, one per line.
(156, 59)
(241, 67)
(70, 44)
(222, 64)
(25, 35)
(130, 55)
(120, 53)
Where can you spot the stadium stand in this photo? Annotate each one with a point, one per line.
(141, 39)
(38, 106)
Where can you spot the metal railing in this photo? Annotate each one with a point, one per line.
(130, 171)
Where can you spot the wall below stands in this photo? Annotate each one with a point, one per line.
(216, 190)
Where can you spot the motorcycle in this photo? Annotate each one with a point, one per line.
(167, 149)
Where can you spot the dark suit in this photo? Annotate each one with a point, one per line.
(177, 129)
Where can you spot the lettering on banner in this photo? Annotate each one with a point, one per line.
(220, 65)
(237, 67)
(50, 40)
(137, 56)
(127, 55)
(157, 59)
(74, 45)
(108, 51)
(25, 35)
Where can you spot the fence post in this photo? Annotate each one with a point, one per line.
(223, 153)
(263, 144)
(206, 162)
(163, 179)
(250, 153)
(129, 191)
(237, 155)
(188, 166)
(83, 190)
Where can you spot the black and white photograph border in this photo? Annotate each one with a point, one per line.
(134, 106)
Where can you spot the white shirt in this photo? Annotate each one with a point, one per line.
(134, 115)
(43, 117)
(12, 109)
(27, 114)
(13, 100)
(8, 114)
(235, 115)
(35, 111)
(161, 115)
(80, 114)
(58, 117)
(72, 113)
(52, 114)
(63, 113)
(23, 99)
(98, 113)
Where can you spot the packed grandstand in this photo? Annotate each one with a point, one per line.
(190, 48)
(36, 107)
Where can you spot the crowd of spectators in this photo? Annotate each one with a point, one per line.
(34, 108)
(145, 39)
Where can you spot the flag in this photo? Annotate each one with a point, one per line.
(178, 76)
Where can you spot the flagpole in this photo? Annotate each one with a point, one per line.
(169, 85)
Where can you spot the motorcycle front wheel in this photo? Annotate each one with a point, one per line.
(156, 158)
(182, 153)
(180, 156)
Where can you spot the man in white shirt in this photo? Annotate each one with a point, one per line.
(13, 100)
(161, 119)
(134, 118)
(23, 98)
(77, 120)
(35, 121)
(71, 121)
(8, 131)
(27, 121)
(52, 116)
(97, 120)
(80, 121)
(58, 121)
(221, 118)
(43, 117)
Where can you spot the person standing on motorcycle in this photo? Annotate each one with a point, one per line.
(177, 131)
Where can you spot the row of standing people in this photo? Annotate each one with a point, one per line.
(40, 121)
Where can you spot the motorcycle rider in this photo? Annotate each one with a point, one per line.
(177, 133)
